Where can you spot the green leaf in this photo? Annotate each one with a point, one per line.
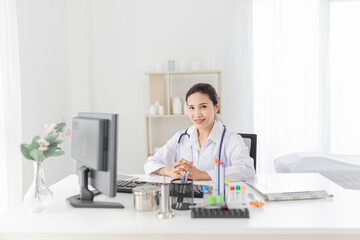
(25, 150)
(60, 127)
(51, 137)
(58, 153)
(58, 141)
(37, 155)
(32, 146)
(51, 149)
(34, 142)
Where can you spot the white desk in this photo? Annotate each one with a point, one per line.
(335, 218)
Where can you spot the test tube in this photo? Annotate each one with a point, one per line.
(216, 177)
(243, 195)
(238, 193)
(227, 189)
(205, 194)
(222, 178)
(232, 194)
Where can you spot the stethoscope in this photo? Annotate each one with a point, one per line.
(221, 142)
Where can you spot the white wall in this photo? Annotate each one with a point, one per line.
(44, 76)
(90, 55)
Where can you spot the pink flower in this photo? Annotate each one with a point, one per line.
(43, 149)
(51, 128)
(43, 142)
(67, 132)
(62, 134)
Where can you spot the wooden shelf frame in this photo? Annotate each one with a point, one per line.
(184, 72)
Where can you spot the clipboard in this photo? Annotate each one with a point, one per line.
(284, 188)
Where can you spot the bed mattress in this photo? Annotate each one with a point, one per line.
(341, 169)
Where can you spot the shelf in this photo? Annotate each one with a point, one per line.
(165, 116)
(170, 116)
(184, 73)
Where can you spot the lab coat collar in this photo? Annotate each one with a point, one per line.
(215, 134)
(192, 131)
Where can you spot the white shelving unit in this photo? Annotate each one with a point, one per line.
(164, 86)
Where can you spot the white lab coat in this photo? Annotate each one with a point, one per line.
(238, 164)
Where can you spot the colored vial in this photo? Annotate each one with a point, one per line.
(243, 195)
(216, 177)
(227, 189)
(205, 194)
(222, 179)
(232, 194)
(238, 193)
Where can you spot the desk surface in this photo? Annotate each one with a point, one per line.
(321, 218)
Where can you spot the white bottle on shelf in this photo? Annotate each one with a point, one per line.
(177, 106)
(157, 106)
(161, 110)
(152, 110)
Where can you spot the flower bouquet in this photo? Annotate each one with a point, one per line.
(39, 196)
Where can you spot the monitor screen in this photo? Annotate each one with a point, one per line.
(94, 147)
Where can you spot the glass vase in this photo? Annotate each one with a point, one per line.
(39, 197)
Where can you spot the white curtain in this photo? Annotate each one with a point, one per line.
(300, 104)
(10, 108)
(344, 55)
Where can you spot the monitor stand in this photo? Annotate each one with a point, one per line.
(86, 197)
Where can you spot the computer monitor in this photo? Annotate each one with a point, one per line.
(94, 146)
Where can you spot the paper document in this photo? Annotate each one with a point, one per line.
(282, 187)
(122, 177)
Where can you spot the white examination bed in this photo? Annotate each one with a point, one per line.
(341, 169)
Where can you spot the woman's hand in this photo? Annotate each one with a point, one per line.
(197, 174)
(177, 170)
(171, 172)
(194, 173)
(183, 164)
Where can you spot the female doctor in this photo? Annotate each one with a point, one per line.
(194, 150)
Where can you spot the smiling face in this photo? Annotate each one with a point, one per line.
(201, 111)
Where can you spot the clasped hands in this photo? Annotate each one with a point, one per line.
(184, 165)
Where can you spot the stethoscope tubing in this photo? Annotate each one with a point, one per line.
(221, 142)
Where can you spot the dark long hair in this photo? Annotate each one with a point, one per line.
(204, 88)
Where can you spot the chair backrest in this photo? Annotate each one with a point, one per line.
(250, 142)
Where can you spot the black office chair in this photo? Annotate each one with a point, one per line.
(250, 142)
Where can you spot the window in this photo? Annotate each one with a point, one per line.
(345, 76)
(305, 77)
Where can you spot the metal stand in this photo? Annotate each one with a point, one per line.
(165, 212)
(86, 197)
